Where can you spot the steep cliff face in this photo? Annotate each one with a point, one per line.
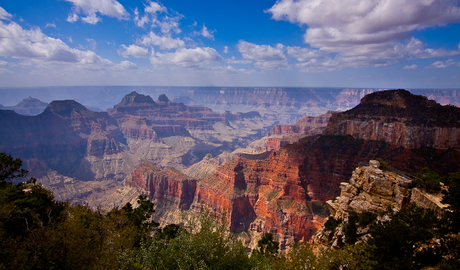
(400, 118)
(373, 190)
(172, 191)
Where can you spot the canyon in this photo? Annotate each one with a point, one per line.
(82, 155)
(188, 159)
(286, 193)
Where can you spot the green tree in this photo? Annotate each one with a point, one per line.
(10, 168)
(396, 239)
(428, 180)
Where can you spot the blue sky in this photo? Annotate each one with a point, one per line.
(301, 43)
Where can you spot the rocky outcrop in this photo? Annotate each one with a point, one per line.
(372, 190)
(307, 125)
(400, 118)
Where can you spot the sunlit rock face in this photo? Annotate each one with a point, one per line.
(370, 189)
(400, 118)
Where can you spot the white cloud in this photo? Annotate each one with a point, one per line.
(154, 7)
(414, 66)
(111, 8)
(360, 33)
(304, 54)
(150, 14)
(5, 15)
(333, 24)
(225, 49)
(164, 42)
(170, 23)
(201, 57)
(125, 65)
(72, 18)
(446, 64)
(92, 43)
(133, 50)
(35, 46)
(265, 56)
(205, 33)
(50, 25)
(3, 63)
(154, 16)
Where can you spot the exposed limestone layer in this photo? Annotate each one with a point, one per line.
(400, 118)
(373, 190)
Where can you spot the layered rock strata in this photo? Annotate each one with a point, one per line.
(372, 190)
(400, 118)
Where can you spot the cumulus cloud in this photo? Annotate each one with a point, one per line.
(225, 49)
(4, 15)
(414, 66)
(304, 54)
(333, 24)
(164, 42)
(265, 56)
(360, 33)
(33, 45)
(53, 25)
(90, 8)
(156, 15)
(150, 14)
(446, 64)
(133, 50)
(125, 65)
(201, 57)
(72, 18)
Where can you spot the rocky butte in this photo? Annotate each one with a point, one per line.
(286, 193)
(400, 118)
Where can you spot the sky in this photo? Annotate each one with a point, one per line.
(283, 43)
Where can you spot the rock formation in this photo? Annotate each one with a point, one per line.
(400, 118)
(308, 125)
(28, 106)
(372, 190)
